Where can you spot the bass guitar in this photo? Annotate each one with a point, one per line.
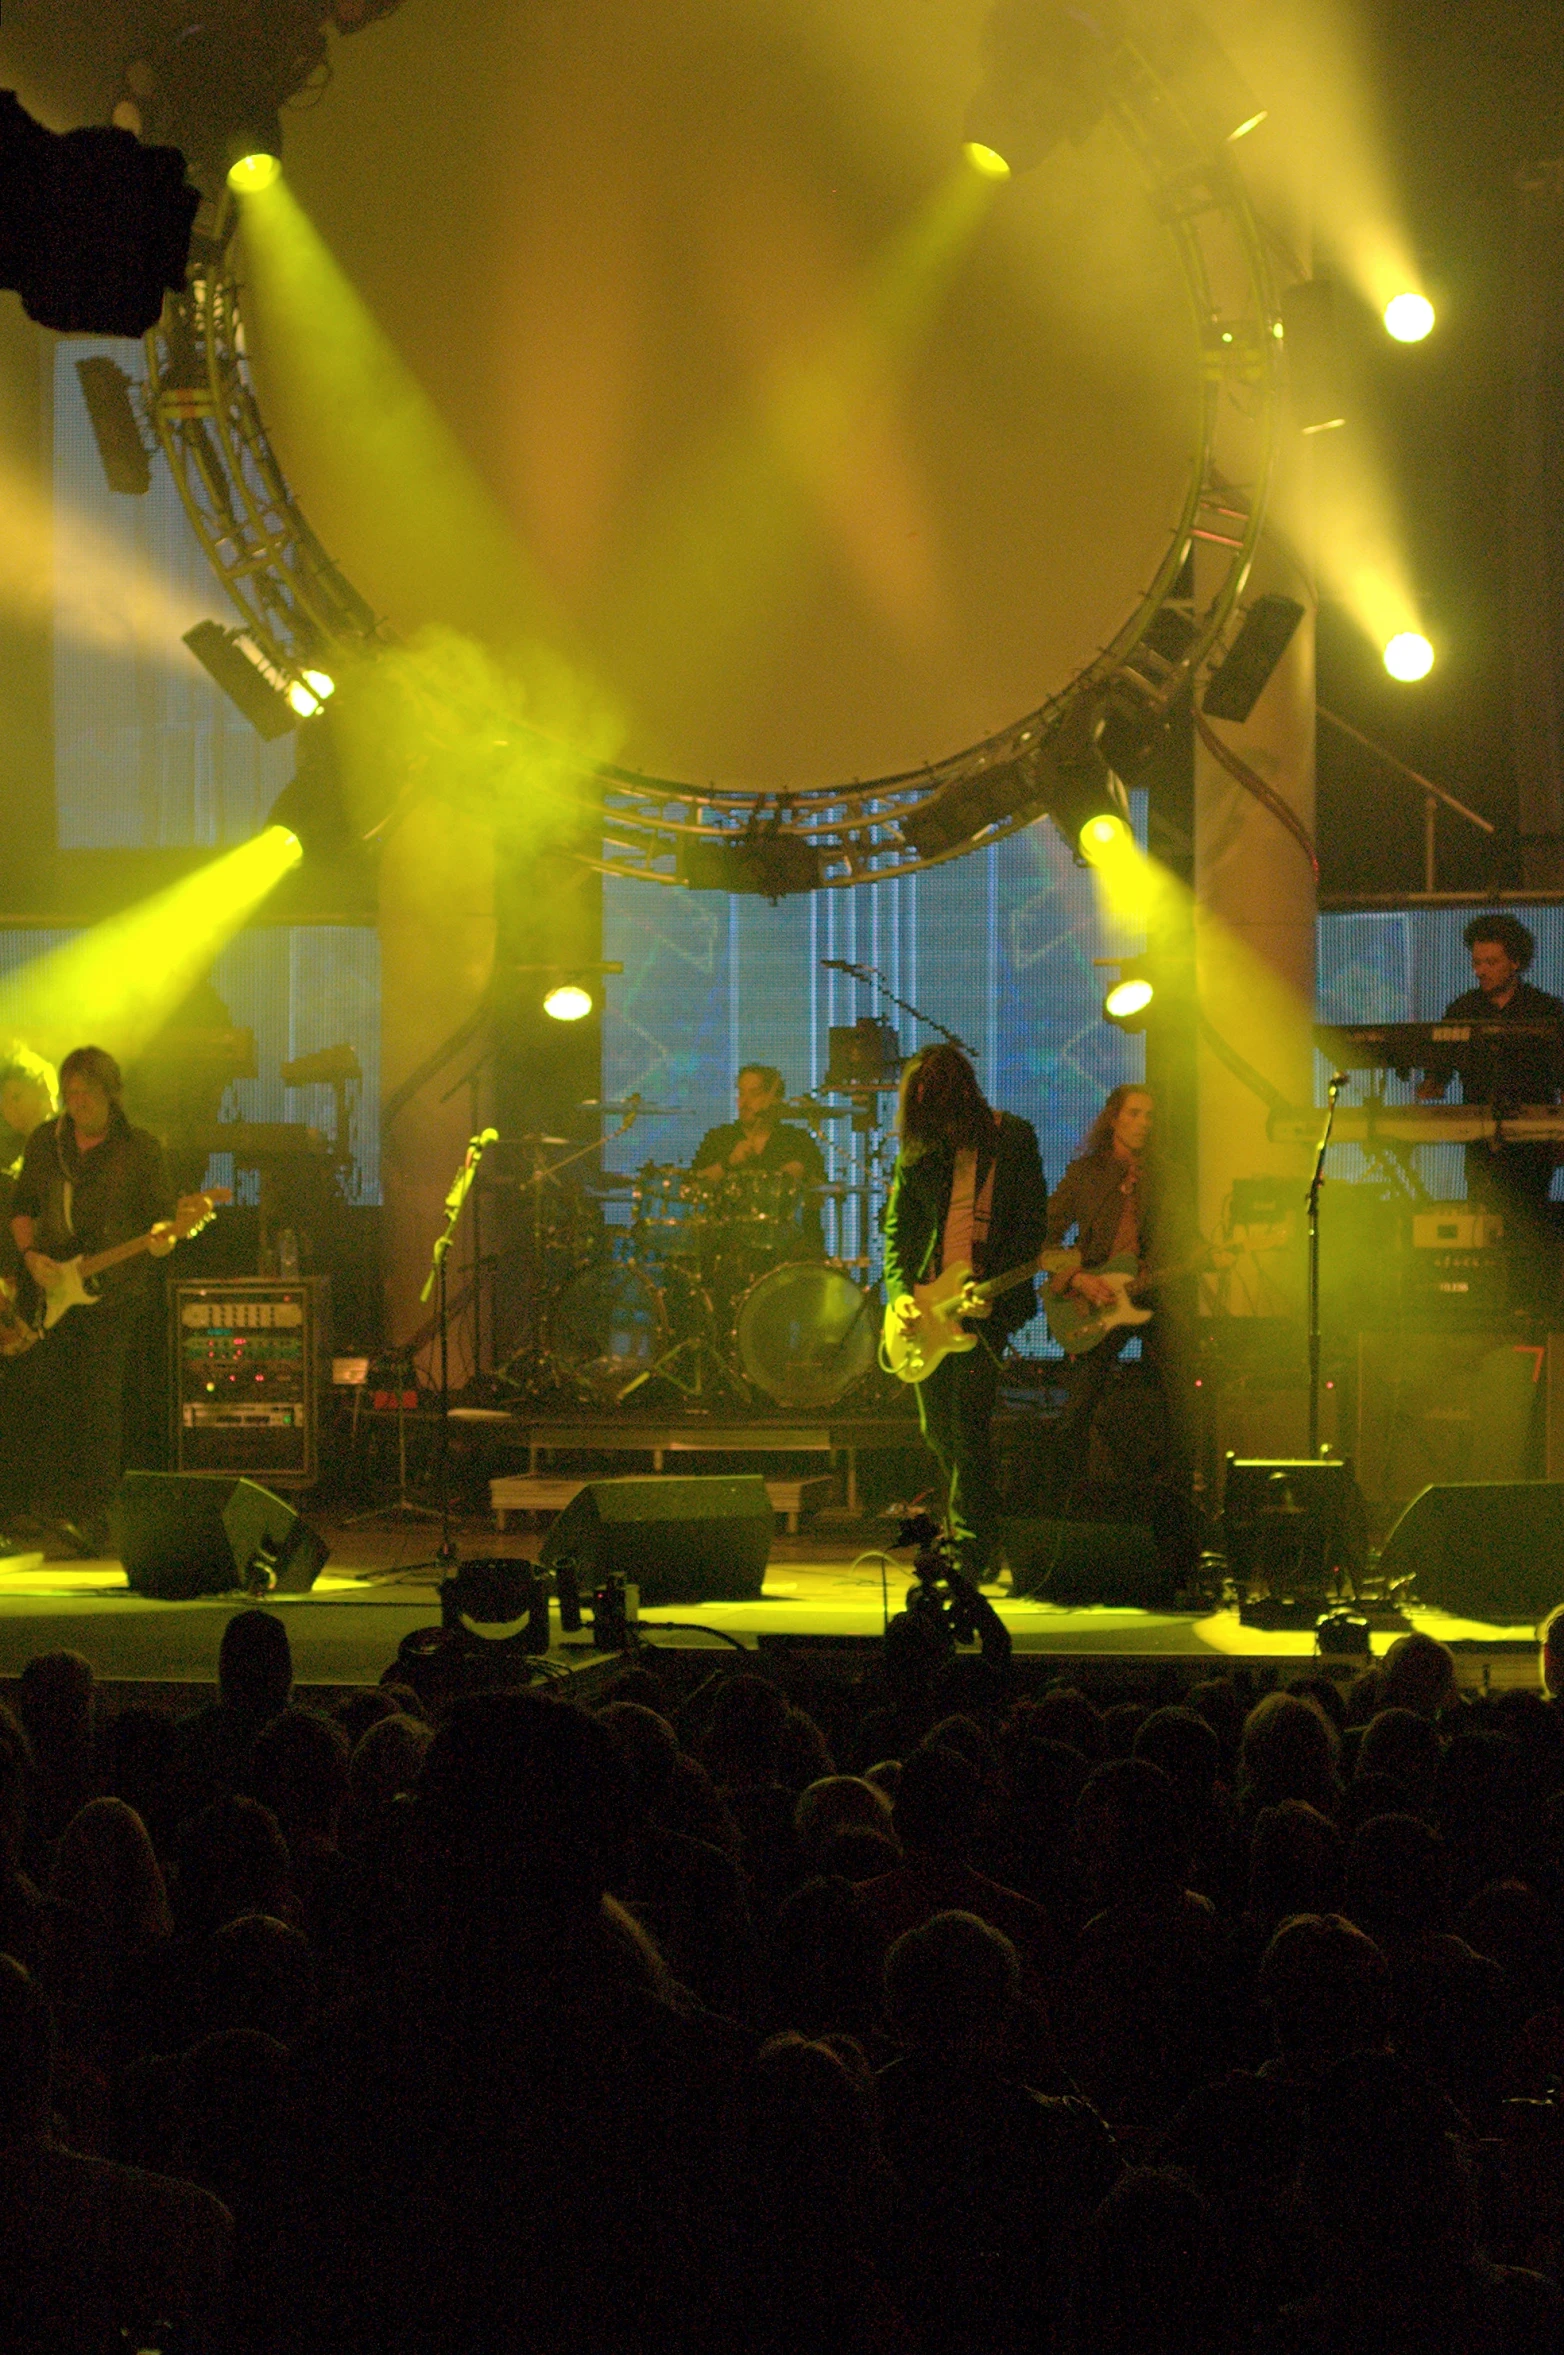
(1078, 1325)
(917, 1340)
(65, 1287)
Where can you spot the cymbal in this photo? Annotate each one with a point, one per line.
(806, 1108)
(609, 1189)
(628, 1104)
(829, 1193)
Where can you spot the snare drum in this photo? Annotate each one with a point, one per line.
(805, 1333)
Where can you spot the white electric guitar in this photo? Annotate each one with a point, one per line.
(65, 1287)
(924, 1327)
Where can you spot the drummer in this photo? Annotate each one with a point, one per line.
(758, 1141)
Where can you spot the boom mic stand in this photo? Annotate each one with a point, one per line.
(461, 1187)
(1316, 1183)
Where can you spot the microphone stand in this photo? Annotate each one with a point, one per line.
(461, 1187)
(877, 981)
(1316, 1182)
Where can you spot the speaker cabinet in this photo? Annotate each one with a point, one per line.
(184, 1534)
(1483, 1549)
(702, 1538)
(1436, 1407)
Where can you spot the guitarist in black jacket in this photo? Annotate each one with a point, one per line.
(1122, 1200)
(968, 1187)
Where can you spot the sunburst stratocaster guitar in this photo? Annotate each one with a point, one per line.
(918, 1339)
(66, 1286)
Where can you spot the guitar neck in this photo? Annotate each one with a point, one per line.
(1046, 1263)
(116, 1256)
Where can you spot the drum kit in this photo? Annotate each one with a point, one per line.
(714, 1285)
(719, 1286)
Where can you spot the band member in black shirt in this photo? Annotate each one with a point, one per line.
(1511, 1179)
(88, 1180)
(759, 1143)
(758, 1139)
(968, 1189)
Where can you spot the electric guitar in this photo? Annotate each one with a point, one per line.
(1078, 1325)
(911, 1346)
(66, 1287)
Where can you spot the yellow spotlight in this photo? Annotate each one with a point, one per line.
(1409, 317)
(1409, 656)
(252, 173)
(986, 160)
(1127, 998)
(568, 1003)
(1252, 124)
(309, 691)
(1102, 837)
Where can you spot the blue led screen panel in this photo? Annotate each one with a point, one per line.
(998, 946)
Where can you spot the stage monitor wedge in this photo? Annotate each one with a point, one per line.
(1491, 1550)
(182, 1535)
(697, 1538)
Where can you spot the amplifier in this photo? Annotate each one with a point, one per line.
(247, 1357)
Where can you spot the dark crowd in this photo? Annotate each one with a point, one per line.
(911, 2016)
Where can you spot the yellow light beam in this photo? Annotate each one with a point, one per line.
(360, 427)
(117, 984)
(815, 446)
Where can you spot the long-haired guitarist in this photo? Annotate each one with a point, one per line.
(1129, 1214)
(968, 1190)
(88, 1181)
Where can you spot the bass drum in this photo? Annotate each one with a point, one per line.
(607, 1325)
(805, 1333)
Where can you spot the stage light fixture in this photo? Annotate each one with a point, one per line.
(309, 691)
(986, 160)
(1128, 1002)
(1409, 656)
(1045, 79)
(127, 462)
(762, 861)
(567, 1001)
(1409, 317)
(1218, 102)
(249, 174)
(228, 657)
(1101, 836)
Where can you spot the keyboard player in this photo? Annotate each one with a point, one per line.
(1514, 1180)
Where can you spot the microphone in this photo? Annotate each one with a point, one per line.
(485, 1138)
(839, 965)
(1339, 1079)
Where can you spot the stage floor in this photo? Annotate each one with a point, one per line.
(379, 1585)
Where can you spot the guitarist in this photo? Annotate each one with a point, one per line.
(88, 1180)
(1123, 1201)
(968, 1188)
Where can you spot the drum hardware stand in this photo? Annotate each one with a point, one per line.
(461, 1186)
(533, 1350)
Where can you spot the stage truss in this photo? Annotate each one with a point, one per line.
(301, 612)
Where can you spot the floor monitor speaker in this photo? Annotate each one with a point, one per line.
(184, 1534)
(1484, 1549)
(1078, 1563)
(698, 1538)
